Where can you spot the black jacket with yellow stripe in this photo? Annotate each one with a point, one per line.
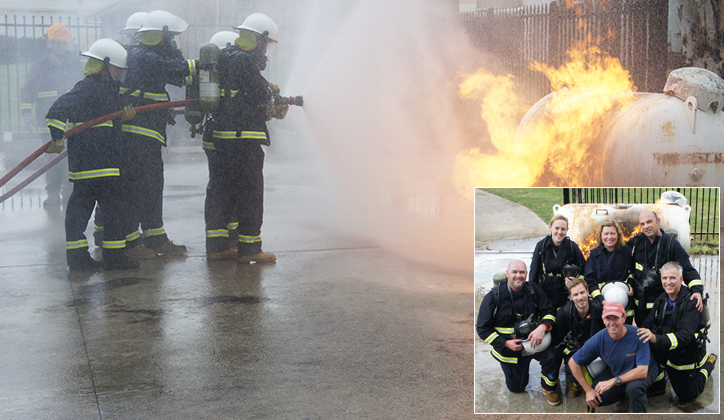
(496, 326)
(150, 69)
(245, 98)
(677, 332)
(95, 152)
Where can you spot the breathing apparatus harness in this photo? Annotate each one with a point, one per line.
(651, 276)
(568, 270)
(523, 327)
(702, 335)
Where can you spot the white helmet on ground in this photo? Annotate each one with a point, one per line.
(528, 350)
(223, 39)
(617, 292)
(160, 19)
(260, 23)
(108, 49)
(134, 22)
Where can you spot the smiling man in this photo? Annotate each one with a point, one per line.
(630, 368)
(576, 322)
(673, 330)
(503, 312)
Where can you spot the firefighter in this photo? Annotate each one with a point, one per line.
(501, 313)
(673, 329)
(153, 62)
(608, 262)
(551, 255)
(236, 185)
(94, 157)
(652, 248)
(133, 24)
(51, 76)
(576, 322)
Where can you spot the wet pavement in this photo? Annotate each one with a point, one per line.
(337, 328)
(491, 393)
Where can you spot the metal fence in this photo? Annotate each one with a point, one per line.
(704, 202)
(634, 31)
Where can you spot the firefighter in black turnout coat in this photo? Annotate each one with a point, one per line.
(94, 157)
(676, 333)
(503, 312)
(153, 62)
(236, 180)
(552, 256)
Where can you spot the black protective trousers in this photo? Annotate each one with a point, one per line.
(144, 169)
(109, 193)
(516, 374)
(235, 192)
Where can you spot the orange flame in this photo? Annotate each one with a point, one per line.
(591, 240)
(557, 135)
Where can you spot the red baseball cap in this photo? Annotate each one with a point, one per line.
(613, 308)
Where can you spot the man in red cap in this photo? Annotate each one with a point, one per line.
(630, 368)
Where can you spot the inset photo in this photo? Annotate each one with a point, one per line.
(596, 300)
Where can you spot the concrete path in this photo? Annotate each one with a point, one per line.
(337, 328)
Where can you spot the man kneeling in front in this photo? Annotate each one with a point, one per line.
(630, 368)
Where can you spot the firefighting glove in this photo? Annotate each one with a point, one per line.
(56, 146)
(128, 113)
(28, 120)
(277, 111)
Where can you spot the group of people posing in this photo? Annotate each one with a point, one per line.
(116, 167)
(561, 315)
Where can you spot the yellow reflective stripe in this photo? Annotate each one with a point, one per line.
(682, 367)
(649, 305)
(95, 173)
(103, 124)
(233, 92)
(491, 337)
(550, 317)
(630, 312)
(60, 125)
(208, 145)
(566, 351)
(97, 228)
(114, 244)
(160, 97)
(500, 357)
(705, 373)
(249, 239)
(48, 94)
(217, 233)
(505, 330)
(232, 225)
(637, 302)
(83, 243)
(548, 382)
(192, 70)
(596, 293)
(587, 375)
(26, 106)
(153, 232)
(133, 236)
(144, 132)
(231, 135)
(695, 282)
(639, 267)
(701, 363)
(662, 373)
(674, 341)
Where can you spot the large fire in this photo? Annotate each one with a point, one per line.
(561, 142)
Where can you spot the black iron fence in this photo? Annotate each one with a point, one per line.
(704, 202)
(634, 31)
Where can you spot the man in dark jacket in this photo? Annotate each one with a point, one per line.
(52, 75)
(502, 312)
(673, 329)
(94, 157)
(236, 180)
(576, 322)
(153, 62)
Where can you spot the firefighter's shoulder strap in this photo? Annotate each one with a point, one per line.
(496, 295)
(669, 246)
(544, 245)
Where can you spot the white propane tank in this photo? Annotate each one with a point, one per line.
(584, 219)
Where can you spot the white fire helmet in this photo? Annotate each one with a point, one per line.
(261, 24)
(616, 292)
(106, 48)
(596, 367)
(160, 19)
(134, 23)
(529, 350)
(223, 39)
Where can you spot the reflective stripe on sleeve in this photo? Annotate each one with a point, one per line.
(503, 330)
(96, 173)
(492, 337)
(48, 94)
(134, 129)
(83, 243)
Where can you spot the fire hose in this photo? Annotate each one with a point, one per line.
(64, 153)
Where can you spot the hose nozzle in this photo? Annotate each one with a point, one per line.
(289, 100)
